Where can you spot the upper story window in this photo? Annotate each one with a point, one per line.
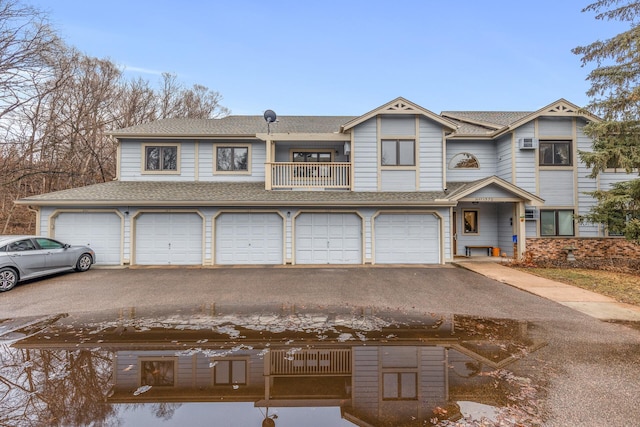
(556, 222)
(398, 152)
(161, 158)
(158, 373)
(232, 158)
(399, 386)
(555, 153)
(464, 161)
(230, 372)
(312, 156)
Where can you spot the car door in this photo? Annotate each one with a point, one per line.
(57, 256)
(29, 259)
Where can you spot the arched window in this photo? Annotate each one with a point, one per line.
(464, 161)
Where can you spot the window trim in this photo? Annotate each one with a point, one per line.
(398, 374)
(397, 146)
(143, 166)
(231, 145)
(292, 152)
(172, 359)
(569, 144)
(452, 166)
(556, 231)
(230, 360)
(477, 215)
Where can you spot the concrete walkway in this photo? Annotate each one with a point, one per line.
(590, 303)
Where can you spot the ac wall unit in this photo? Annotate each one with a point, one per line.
(528, 143)
(531, 213)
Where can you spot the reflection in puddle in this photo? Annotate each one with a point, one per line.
(266, 367)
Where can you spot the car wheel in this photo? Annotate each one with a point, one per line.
(8, 279)
(84, 262)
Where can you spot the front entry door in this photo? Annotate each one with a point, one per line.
(455, 233)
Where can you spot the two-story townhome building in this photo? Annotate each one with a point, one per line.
(396, 185)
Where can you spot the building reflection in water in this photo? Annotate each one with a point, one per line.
(376, 368)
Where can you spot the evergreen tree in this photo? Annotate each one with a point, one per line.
(615, 98)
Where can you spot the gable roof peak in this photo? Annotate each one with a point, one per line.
(400, 105)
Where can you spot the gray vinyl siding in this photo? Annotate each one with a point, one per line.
(492, 191)
(430, 156)
(505, 228)
(366, 379)
(585, 184)
(192, 370)
(525, 161)
(365, 156)
(484, 151)
(487, 226)
(557, 187)
(391, 180)
(206, 166)
(131, 163)
(504, 154)
(398, 125)
(433, 375)
(555, 127)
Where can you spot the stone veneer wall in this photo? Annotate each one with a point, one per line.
(552, 249)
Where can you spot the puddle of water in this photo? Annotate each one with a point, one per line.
(266, 366)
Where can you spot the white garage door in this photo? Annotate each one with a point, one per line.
(407, 239)
(328, 238)
(168, 238)
(101, 231)
(250, 238)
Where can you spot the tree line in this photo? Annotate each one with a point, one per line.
(58, 105)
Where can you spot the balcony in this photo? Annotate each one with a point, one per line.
(311, 362)
(298, 175)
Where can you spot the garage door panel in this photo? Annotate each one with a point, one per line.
(407, 239)
(101, 231)
(253, 238)
(328, 238)
(168, 239)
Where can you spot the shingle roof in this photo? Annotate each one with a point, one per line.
(235, 125)
(483, 123)
(224, 194)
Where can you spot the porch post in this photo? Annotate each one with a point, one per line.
(267, 165)
(521, 231)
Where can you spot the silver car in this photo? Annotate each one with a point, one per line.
(28, 257)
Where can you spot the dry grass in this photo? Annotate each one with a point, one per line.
(623, 287)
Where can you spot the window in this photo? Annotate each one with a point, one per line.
(21, 245)
(157, 373)
(315, 157)
(470, 219)
(398, 152)
(161, 158)
(232, 158)
(230, 372)
(556, 222)
(49, 244)
(464, 161)
(555, 153)
(399, 386)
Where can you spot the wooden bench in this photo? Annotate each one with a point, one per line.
(468, 249)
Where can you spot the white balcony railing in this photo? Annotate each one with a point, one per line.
(311, 362)
(310, 175)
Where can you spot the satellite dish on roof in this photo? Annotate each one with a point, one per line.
(269, 117)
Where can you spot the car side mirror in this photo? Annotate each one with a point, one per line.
(66, 246)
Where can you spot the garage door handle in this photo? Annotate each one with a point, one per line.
(169, 245)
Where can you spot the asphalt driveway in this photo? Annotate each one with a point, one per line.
(442, 289)
(589, 369)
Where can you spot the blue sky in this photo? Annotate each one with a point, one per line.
(345, 57)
